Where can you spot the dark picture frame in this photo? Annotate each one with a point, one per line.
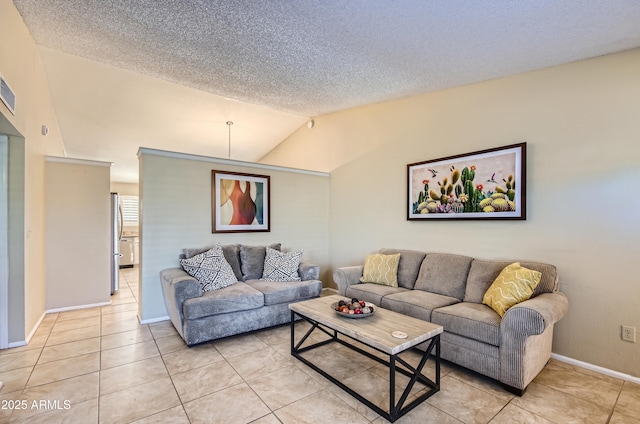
(487, 184)
(240, 202)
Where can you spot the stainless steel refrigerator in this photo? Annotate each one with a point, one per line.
(116, 236)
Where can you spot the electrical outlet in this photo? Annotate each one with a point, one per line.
(629, 333)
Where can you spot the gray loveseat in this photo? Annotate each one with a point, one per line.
(250, 304)
(448, 289)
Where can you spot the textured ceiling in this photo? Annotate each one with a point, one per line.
(306, 58)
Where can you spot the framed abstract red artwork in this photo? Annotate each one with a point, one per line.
(240, 202)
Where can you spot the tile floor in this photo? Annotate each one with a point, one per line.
(100, 365)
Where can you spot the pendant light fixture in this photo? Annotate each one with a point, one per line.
(229, 123)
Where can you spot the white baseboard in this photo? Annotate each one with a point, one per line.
(596, 368)
(73, 308)
(52, 311)
(152, 320)
(33, 330)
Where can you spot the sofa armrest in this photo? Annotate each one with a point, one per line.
(309, 271)
(347, 276)
(178, 286)
(535, 315)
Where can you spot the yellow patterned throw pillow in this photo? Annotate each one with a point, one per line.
(515, 284)
(381, 269)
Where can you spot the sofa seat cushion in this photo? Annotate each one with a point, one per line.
(276, 292)
(370, 292)
(238, 297)
(445, 274)
(416, 303)
(472, 320)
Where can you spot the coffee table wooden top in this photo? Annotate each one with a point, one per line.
(375, 330)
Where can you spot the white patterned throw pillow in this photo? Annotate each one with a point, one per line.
(211, 269)
(279, 266)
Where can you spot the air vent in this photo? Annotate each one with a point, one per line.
(7, 96)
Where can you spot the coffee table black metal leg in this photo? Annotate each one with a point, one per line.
(396, 410)
(295, 347)
(392, 388)
(293, 330)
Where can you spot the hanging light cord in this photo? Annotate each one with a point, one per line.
(229, 123)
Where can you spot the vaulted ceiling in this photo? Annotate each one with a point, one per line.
(169, 74)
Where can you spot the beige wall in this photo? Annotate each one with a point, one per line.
(20, 65)
(78, 233)
(127, 189)
(583, 172)
(175, 193)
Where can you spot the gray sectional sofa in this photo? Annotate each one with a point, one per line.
(448, 290)
(250, 304)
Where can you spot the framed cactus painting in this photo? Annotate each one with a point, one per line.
(487, 184)
(240, 202)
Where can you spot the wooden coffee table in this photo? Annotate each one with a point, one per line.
(376, 332)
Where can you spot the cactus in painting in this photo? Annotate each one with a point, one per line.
(477, 197)
(455, 175)
(510, 190)
(468, 174)
(457, 193)
(469, 191)
(419, 206)
(511, 187)
(485, 202)
(500, 205)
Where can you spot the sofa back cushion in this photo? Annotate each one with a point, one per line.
(211, 269)
(445, 274)
(409, 266)
(279, 266)
(231, 253)
(252, 260)
(483, 273)
(381, 269)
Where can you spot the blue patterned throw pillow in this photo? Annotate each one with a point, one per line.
(211, 269)
(280, 266)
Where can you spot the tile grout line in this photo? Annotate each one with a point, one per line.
(39, 355)
(170, 379)
(100, 365)
(153, 338)
(613, 409)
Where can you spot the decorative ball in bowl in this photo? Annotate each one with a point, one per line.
(353, 308)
